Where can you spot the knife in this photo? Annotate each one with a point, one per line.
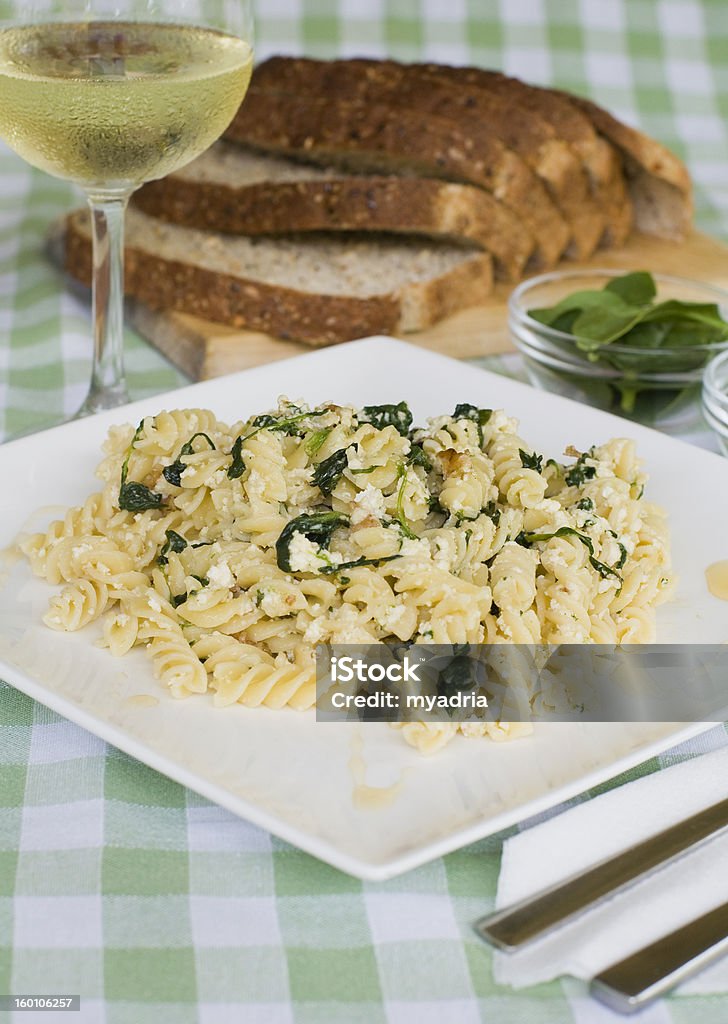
(640, 979)
(523, 922)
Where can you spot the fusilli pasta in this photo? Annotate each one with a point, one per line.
(230, 552)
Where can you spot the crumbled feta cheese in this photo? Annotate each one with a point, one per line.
(305, 556)
(414, 548)
(255, 484)
(274, 604)
(504, 628)
(221, 576)
(391, 616)
(444, 554)
(315, 631)
(499, 421)
(369, 502)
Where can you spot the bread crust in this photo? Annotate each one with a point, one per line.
(658, 181)
(599, 157)
(447, 93)
(365, 138)
(345, 203)
(290, 313)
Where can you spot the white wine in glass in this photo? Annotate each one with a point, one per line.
(110, 102)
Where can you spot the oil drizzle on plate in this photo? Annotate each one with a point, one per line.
(366, 797)
(9, 556)
(716, 576)
(142, 700)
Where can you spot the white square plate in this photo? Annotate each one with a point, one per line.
(353, 795)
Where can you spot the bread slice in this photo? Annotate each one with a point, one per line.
(433, 90)
(311, 289)
(365, 137)
(234, 190)
(599, 157)
(658, 181)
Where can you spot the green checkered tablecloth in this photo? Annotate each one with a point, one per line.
(122, 886)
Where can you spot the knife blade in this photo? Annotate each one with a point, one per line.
(650, 973)
(529, 919)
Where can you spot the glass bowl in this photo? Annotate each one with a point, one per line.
(659, 386)
(715, 399)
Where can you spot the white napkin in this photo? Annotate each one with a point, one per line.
(595, 829)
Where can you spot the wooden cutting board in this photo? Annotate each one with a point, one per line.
(203, 349)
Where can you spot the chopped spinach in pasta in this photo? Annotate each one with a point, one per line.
(231, 551)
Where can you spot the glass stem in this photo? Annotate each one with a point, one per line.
(108, 385)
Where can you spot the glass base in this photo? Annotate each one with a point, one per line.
(100, 401)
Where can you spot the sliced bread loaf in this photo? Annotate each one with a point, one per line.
(312, 289)
(433, 90)
(658, 181)
(599, 157)
(234, 190)
(368, 137)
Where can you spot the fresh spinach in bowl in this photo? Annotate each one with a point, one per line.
(622, 326)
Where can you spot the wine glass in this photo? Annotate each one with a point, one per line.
(112, 93)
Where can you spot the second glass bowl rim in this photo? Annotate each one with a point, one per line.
(710, 382)
(517, 310)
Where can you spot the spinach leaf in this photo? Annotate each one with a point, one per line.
(577, 302)
(458, 676)
(636, 289)
(318, 527)
(579, 473)
(237, 466)
(419, 457)
(400, 516)
(330, 570)
(433, 505)
(707, 313)
(173, 474)
(626, 312)
(381, 416)
(527, 539)
(178, 599)
(327, 474)
(283, 425)
(266, 421)
(622, 556)
(492, 511)
(316, 440)
(531, 461)
(136, 497)
(465, 411)
(601, 325)
(174, 542)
